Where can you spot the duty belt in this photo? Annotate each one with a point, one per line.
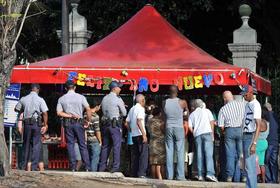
(32, 121)
(72, 120)
(111, 122)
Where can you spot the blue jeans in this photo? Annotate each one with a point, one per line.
(94, 149)
(271, 164)
(233, 145)
(175, 140)
(204, 151)
(250, 162)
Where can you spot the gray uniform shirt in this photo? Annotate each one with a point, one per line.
(113, 106)
(30, 104)
(72, 103)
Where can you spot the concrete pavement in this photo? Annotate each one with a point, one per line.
(118, 178)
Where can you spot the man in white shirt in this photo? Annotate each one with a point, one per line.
(251, 131)
(201, 124)
(136, 122)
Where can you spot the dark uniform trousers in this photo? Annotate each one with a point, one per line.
(110, 136)
(32, 141)
(140, 156)
(76, 130)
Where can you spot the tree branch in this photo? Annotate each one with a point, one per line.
(21, 24)
(41, 12)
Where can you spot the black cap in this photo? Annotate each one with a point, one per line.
(34, 85)
(114, 84)
(69, 83)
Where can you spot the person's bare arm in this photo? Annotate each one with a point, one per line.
(186, 127)
(141, 127)
(98, 136)
(183, 104)
(65, 115)
(212, 123)
(45, 120)
(88, 118)
(256, 136)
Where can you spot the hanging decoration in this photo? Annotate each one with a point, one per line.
(154, 85)
(72, 75)
(179, 83)
(106, 82)
(99, 84)
(90, 82)
(197, 81)
(207, 79)
(81, 79)
(133, 85)
(143, 84)
(124, 73)
(187, 82)
(233, 75)
(219, 79)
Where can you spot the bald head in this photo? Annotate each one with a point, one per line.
(227, 96)
(140, 99)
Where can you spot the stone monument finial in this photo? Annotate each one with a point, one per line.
(245, 12)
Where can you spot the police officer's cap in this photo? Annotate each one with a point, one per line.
(35, 86)
(114, 84)
(69, 83)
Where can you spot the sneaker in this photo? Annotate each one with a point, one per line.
(211, 178)
(143, 177)
(243, 179)
(229, 179)
(200, 178)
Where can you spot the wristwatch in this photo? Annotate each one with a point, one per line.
(255, 143)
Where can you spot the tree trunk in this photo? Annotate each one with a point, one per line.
(9, 11)
(4, 154)
(8, 63)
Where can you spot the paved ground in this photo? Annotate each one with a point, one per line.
(62, 179)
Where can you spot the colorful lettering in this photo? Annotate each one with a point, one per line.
(81, 79)
(197, 81)
(154, 85)
(219, 79)
(207, 79)
(143, 85)
(188, 82)
(106, 83)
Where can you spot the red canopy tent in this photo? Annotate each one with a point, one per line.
(146, 47)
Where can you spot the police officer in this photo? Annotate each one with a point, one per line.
(113, 109)
(70, 107)
(33, 108)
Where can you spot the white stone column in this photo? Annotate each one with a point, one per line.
(78, 33)
(245, 47)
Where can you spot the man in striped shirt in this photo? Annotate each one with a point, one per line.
(230, 120)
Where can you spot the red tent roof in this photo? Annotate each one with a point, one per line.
(146, 43)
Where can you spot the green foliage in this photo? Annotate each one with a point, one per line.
(13, 15)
